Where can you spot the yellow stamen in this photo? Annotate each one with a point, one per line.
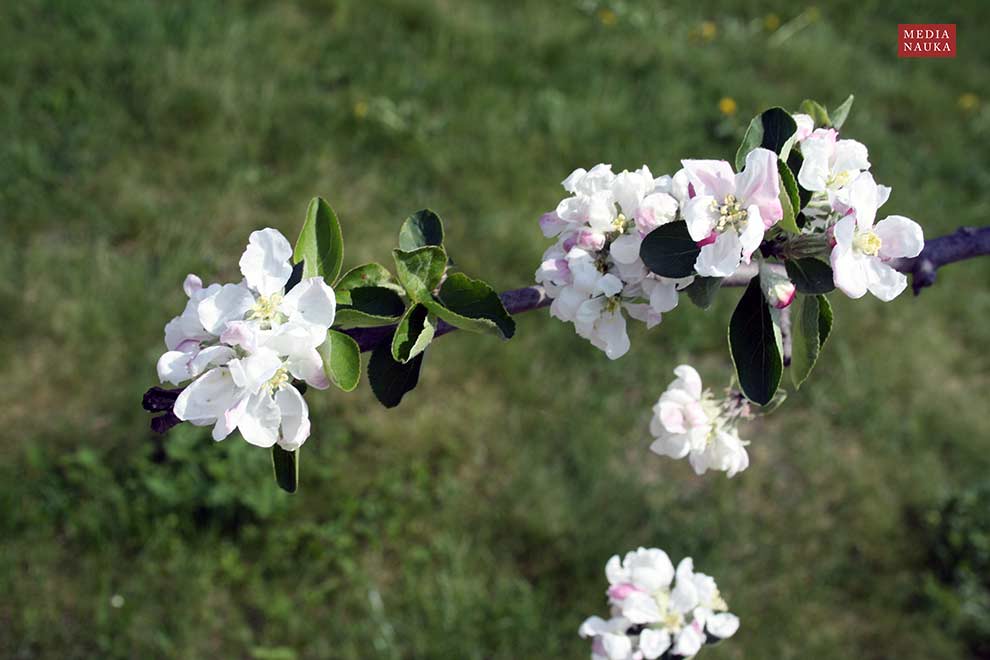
(731, 214)
(280, 378)
(266, 307)
(867, 242)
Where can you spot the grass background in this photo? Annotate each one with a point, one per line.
(145, 140)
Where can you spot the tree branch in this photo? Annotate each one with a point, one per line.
(964, 243)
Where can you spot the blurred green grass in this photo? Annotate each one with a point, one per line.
(145, 140)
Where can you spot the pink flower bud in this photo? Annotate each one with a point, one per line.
(590, 240)
(621, 591)
(779, 290)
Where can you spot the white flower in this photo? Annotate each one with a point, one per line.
(830, 163)
(805, 126)
(688, 422)
(728, 213)
(245, 343)
(653, 613)
(862, 251)
(777, 288)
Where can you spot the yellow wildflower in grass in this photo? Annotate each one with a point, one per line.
(361, 109)
(708, 30)
(771, 22)
(727, 106)
(968, 102)
(607, 16)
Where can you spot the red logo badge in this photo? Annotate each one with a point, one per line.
(926, 40)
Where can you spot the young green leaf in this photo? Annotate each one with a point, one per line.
(390, 380)
(789, 199)
(420, 270)
(371, 274)
(703, 290)
(810, 275)
(669, 250)
(420, 229)
(472, 305)
(367, 306)
(811, 326)
(320, 246)
(413, 334)
(840, 114)
(772, 129)
(817, 112)
(341, 360)
(753, 346)
(286, 466)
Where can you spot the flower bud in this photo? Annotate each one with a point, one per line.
(779, 290)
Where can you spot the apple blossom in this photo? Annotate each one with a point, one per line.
(729, 213)
(689, 422)
(805, 126)
(830, 163)
(657, 610)
(862, 252)
(777, 288)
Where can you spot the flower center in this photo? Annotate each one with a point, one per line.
(280, 378)
(266, 307)
(613, 303)
(731, 214)
(867, 242)
(621, 223)
(838, 179)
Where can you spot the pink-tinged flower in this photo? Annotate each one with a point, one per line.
(777, 288)
(805, 126)
(830, 163)
(737, 208)
(862, 252)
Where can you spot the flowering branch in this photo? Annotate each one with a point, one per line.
(964, 243)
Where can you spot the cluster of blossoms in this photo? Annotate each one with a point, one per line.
(243, 344)
(657, 611)
(594, 272)
(843, 208)
(690, 422)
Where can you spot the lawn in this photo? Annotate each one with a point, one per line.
(144, 140)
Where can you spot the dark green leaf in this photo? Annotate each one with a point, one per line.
(320, 246)
(365, 275)
(703, 290)
(789, 198)
(420, 270)
(341, 360)
(390, 380)
(810, 275)
(812, 323)
(420, 229)
(367, 306)
(817, 112)
(472, 305)
(413, 334)
(754, 348)
(286, 466)
(669, 250)
(840, 114)
(772, 129)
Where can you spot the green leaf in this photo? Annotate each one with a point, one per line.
(320, 246)
(840, 114)
(669, 250)
(817, 112)
(754, 348)
(810, 275)
(341, 360)
(365, 275)
(367, 306)
(772, 129)
(420, 270)
(286, 466)
(413, 334)
(472, 305)
(811, 326)
(390, 380)
(789, 199)
(703, 290)
(420, 229)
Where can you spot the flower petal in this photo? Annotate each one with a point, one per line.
(254, 370)
(311, 301)
(206, 398)
(701, 216)
(295, 417)
(308, 366)
(721, 258)
(261, 419)
(759, 184)
(713, 178)
(625, 249)
(653, 643)
(265, 262)
(899, 237)
(849, 270)
(884, 282)
(228, 303)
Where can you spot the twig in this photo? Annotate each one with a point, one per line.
(964, 243)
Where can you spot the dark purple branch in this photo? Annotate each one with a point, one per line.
(964, 243)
